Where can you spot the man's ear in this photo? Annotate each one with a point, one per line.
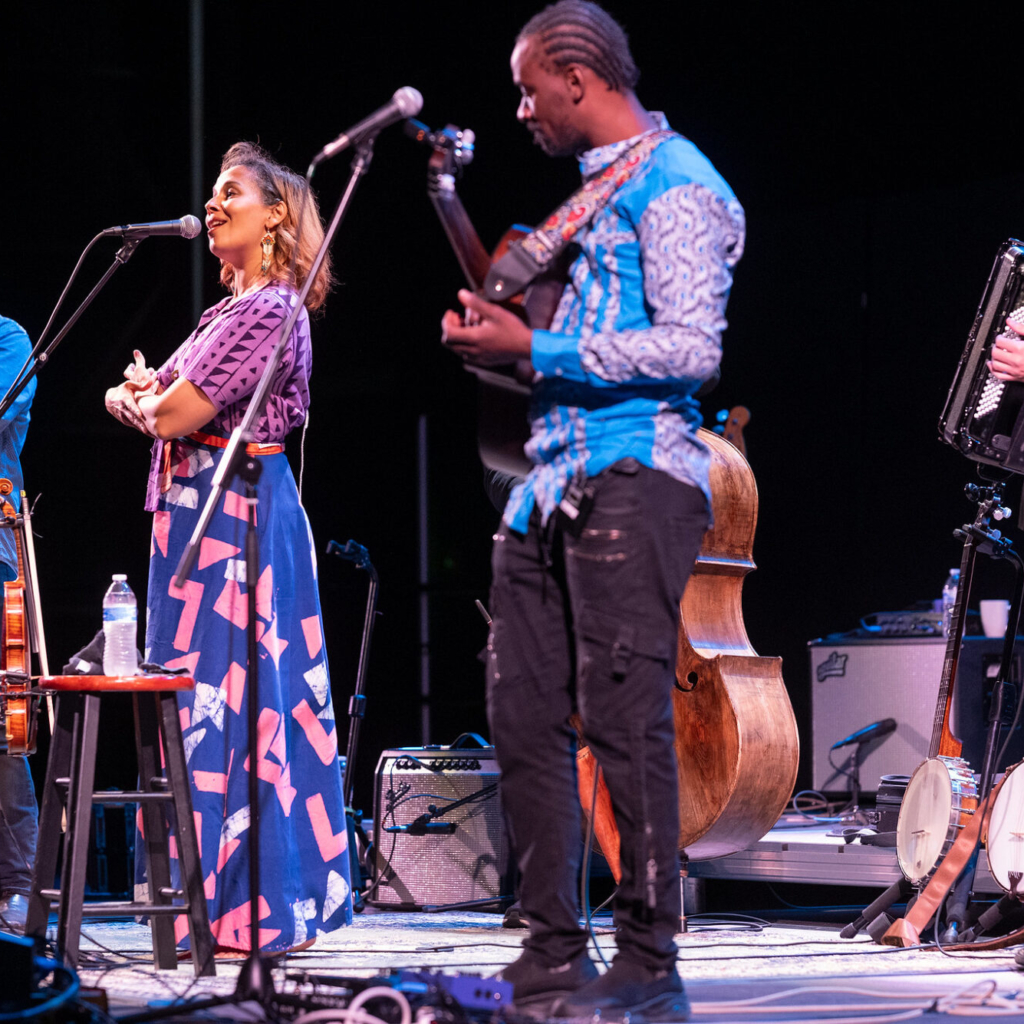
(574, 76)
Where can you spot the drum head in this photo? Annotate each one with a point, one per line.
(1006, 833)
(924, 819)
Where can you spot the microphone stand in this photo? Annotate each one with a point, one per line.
(22, 381)
(255, 982)
(356, 553)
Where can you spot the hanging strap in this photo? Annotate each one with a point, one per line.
(533, 254)
(907, 930)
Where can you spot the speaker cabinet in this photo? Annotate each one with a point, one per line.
(856, 682)
(438, 834)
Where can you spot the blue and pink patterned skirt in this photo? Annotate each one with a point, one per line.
(304, 868)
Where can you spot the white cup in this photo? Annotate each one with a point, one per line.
(995, 616)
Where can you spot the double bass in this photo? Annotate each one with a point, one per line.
(736, 738)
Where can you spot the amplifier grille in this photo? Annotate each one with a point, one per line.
(438, 831)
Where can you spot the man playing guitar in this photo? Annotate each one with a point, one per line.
(597, 543)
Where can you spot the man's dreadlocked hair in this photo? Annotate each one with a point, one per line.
(580, 32)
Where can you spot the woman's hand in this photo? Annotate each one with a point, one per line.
(1007, 362)
(122, 403)
(138, 372)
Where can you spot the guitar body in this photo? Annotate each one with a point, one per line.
(503, 420)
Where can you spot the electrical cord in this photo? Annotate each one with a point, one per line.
(978, 996)
(63, 995)
(821, 803)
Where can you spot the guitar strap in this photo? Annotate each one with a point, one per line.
(907, 930)
(532, 255)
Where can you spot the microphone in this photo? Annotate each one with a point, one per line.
(870, 732)
(407, 102)
(187, 226)
(423, 826)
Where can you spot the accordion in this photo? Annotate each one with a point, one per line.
(984, 417)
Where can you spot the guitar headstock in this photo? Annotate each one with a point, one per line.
(452, 149)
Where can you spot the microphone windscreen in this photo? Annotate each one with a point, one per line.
(408, 101)
(190, 226)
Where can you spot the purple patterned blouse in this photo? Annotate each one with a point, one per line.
(225, 356)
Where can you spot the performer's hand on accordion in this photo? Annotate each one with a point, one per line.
(1007, 362)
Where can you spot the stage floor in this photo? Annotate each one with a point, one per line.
(723, 960)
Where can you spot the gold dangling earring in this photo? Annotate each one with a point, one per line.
(268, 251)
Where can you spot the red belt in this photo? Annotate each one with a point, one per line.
(252, 448)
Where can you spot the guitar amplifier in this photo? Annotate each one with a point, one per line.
(438, 833)
(855, 682)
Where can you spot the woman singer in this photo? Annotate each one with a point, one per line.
(190, 405)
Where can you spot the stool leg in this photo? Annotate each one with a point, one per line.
(154, 824)
(51, 811)
(191, 867)
(76, 842)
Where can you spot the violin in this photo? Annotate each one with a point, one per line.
(15, 664)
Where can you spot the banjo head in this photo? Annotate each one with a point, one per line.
(930, 813)
(1005, 842)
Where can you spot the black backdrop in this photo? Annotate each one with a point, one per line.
(873, 152)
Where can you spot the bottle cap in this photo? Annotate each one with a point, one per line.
(119, 577)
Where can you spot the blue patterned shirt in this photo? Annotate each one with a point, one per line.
(14, 350)
(637, 331)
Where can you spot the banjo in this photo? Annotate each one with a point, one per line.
(942, 793)
(1005, 838)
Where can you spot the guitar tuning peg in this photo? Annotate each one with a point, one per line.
(465, 147)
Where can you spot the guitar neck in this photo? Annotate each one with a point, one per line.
(943, 742)
(469, 250)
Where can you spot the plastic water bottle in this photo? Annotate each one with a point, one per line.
(949, 599)
(120, 624)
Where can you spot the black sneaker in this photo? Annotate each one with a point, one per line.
(536, 988)
(13, 911)
(514, 917)
(628, 992)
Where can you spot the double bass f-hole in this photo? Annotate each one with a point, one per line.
(688, 682)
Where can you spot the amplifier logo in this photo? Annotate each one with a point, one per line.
(833, 665)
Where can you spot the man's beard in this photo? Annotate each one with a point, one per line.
(559, 141)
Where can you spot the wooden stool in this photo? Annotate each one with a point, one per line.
(70, 775)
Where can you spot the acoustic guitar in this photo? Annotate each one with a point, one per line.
(503, 420)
